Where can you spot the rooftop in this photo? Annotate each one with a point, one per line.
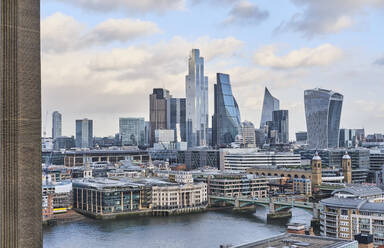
(295, 240)
(359, 190)
(108, 183)
(361, 204)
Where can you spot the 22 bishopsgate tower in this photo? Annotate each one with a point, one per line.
(196, 101)
(20, 125)
(323, 113)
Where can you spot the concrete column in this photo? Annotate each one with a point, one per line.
(92, 201)
(101, 203)
(77, 197)
(87, 199)
(122, 201)
(131, 200)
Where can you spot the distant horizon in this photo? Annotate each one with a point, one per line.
(102, 61)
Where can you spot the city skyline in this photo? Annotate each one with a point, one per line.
(344, 58)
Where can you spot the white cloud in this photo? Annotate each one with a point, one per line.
(327, 16)
(319, 56)
(245, 12)
(120, 30)
(104, 83)
(62, 33)
(131, 6)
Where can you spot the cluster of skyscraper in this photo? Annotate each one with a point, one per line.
(188, 118)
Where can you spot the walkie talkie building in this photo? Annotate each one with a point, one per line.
(323, 113)
(20, 124)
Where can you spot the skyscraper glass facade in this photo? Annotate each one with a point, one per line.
(158, 111)
(196, 101)
(323, 113)
(178, 118)
(226, 119)
(280, 120)
(132, 131)
(84, 133)
(270, 104)
(56, 125)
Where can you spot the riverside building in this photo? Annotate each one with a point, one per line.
(181, 197)
(237, 185)
(354, 210)
(111, 197)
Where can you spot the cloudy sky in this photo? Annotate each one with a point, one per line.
(101, 58)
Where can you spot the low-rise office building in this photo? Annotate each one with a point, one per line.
(302, 186)
(108, 198)
(81, 157)
(62, 195)
(101, 197)
(179, 196)
(243, 159)
(237, 185)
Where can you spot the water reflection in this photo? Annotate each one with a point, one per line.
(208, 229)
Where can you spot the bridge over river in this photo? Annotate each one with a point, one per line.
(279, 207)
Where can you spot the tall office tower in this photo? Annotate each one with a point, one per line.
(84, 133)
(158, 111)
(323, 112)
(20, 124)
(56, 125)
(270, 104)
(226, 123)
(147, 132)
(280, 124)
(248, 132)
(197, 100)
(260, 137)
(132, 131)
(177, 118)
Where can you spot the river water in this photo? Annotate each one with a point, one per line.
(203, 230)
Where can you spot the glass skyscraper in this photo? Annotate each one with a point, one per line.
(158, 111)
(323, 113)
(197, 101)
(177, 118)
(132, 131)
(56, 125)
(226, 121)
(280, 120)
(270, 104)
(84, 133)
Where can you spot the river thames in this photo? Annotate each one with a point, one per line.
(203, 230)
